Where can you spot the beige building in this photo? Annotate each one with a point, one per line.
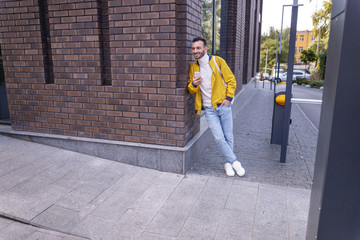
(303, 42)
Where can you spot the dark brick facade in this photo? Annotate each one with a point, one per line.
(111, 69)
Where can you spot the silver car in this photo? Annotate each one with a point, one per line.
(296, 73)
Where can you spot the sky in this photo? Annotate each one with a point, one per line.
(272, 10)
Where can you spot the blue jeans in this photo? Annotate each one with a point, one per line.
(221, 125)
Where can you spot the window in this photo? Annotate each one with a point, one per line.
(210, 23)
(299, 60)
(312, 38)
(300, 49)
(301, 38)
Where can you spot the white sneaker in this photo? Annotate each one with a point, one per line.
(238, 168)
(229, 170)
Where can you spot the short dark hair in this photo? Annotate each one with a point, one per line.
(200, 39)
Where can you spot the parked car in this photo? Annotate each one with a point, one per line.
(274, 74)
(265, 75)
(258, 76)
(296, 73)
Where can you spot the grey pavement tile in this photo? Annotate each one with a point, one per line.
(13, 164)
(149, 236)
(93, 227)
(78, 198)
(271, 193)
(210, 202)
(156, 195)
(57, 218)
(196, 228)
(132, 224)
(90, 184)
(236, 217)
(271, 218)
(298, 204)
(174, 213)
(233, 231)
(218, 186)
(245, 202)
(241, 182)
(117, 204)
(297, 229)
(25, 207)
(269, 236)
(239, 190)
(12, 179)
(16, 231)
(4, 222)
(130, 172)
(43, 236)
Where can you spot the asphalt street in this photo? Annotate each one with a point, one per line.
(312, 111)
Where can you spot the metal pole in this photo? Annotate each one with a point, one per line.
(214, 29)
(285, 135)
(282, 17)
(265, 65)
(317, 48)
(276, 59)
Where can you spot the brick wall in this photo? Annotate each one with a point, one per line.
(251, 34)
(113, 69)
(118, 68)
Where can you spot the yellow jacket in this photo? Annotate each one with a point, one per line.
(219, 92)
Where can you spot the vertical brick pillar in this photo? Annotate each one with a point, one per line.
(21, 44)
(188, 19)
(233, 34)
(79, 98)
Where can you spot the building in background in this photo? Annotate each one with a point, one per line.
(117, 69)
(303, 41)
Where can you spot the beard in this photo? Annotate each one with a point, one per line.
(199, 55)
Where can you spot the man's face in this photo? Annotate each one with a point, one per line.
(198, 49)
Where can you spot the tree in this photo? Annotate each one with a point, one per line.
(322, 64)
(321, 21)
(268, 41)
(308, 56)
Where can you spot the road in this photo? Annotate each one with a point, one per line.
(312, 111)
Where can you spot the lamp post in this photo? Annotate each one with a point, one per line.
(285, 132)
(265, 65)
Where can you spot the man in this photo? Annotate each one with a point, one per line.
(214, 84)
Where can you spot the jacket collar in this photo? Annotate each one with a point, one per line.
(209, 59)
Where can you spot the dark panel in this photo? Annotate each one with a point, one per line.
(334, 207)
(338, 7)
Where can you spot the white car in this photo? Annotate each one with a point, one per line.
(296, 73)
(274, 74)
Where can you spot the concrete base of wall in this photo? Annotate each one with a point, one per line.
(163, 158)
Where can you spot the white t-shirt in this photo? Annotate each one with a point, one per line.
(205, 86)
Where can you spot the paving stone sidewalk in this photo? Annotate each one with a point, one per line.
(51, 193)
(252, 133)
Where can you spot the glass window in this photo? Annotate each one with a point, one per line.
(312, 38)
(301, 38)
(211, 23)
(300, 49)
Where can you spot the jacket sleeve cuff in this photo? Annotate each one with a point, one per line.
(193, 85)
(229, 98)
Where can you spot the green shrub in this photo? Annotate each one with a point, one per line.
(316, 83)
(313, 83)
(300, 81)
(322, 64)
